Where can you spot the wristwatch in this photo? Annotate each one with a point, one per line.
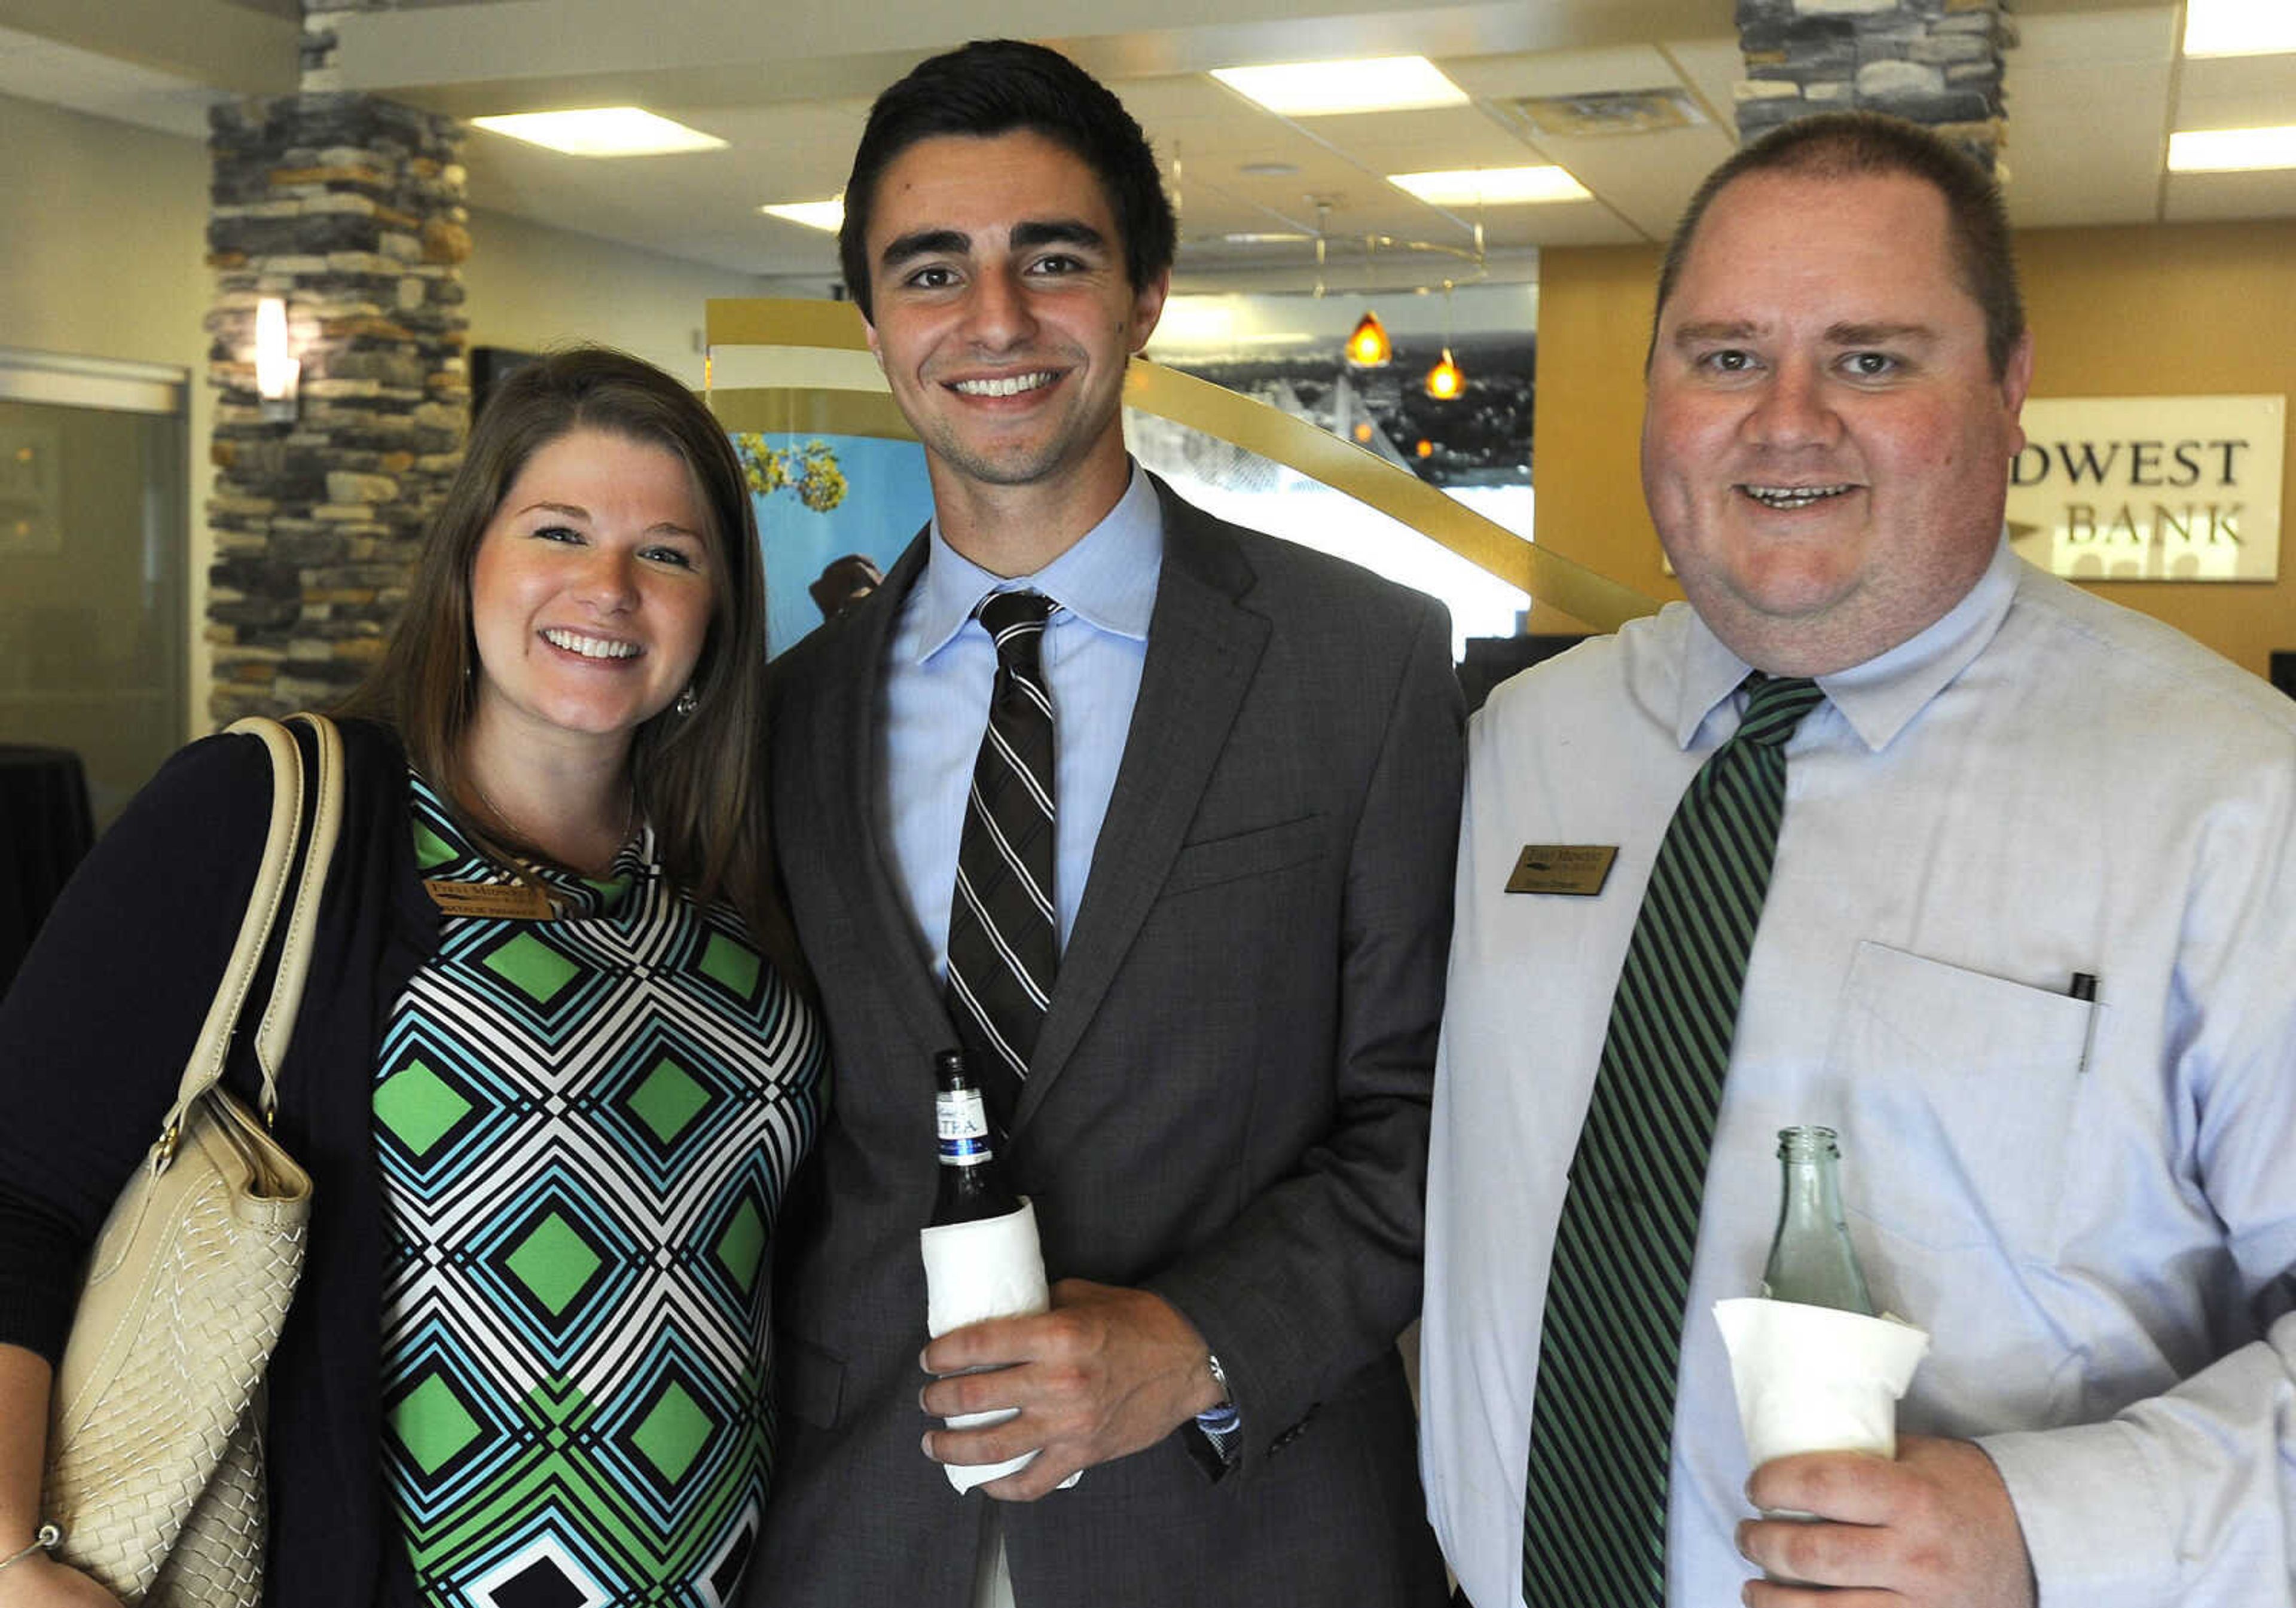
(1221, 1419)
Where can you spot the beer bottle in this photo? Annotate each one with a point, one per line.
(971, 1186)
(1811, 1259)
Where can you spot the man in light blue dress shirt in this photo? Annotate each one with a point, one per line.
(1223, 1120)
(2029, 944)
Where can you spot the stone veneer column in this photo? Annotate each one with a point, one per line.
(1932, 62)
(350, 208)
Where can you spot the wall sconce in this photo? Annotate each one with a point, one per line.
(275, 372)
(1368, 348)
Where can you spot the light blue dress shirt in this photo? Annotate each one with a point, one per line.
(2091, 1207)
(943, 667)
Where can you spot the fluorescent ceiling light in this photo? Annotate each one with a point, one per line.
(827, 216)
(2239, 28)
(1491, 186)
(2232, 150)
(1312, 89)
(603, 131)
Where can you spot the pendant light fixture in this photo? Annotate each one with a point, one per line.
(1446, 381)
(1368, 348)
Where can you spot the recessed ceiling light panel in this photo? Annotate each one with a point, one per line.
(1491, 186)
(1312, 89)
(2239, 28)
(603, 131)
(2231, 150)
(828, 215)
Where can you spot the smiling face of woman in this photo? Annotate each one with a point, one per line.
(591, 590)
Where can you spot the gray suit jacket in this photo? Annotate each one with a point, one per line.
(1228, 1104)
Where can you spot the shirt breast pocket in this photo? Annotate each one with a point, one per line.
(1958, 1092)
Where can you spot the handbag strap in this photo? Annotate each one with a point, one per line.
(205, 1066)
(277, 1028)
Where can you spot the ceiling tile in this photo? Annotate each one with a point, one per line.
(2195, 198)
(2084, 145)
(1711, 67)
(2110, 38)
(2237, 92)
(1647, 179)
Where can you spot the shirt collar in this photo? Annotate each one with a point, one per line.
(1877, 697)
(1107, 577)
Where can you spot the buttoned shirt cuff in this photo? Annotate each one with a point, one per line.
(2095, 1528)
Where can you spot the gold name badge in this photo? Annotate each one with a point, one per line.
(1578, 869)
(494, 901)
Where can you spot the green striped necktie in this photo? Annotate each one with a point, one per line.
(1594, 1523)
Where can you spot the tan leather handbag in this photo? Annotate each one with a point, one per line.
(155, 1471)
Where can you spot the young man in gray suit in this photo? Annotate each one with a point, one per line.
(1207, 1042)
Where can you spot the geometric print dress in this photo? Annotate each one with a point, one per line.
(583, 1127)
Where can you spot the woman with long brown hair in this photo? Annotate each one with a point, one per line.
(552, 1073)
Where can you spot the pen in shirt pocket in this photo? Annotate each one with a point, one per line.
(2084, 989)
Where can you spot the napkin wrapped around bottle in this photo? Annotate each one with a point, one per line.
(993, 1268)
(1814, 1379)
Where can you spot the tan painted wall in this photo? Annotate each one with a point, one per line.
(2175, 310)
(532, 287)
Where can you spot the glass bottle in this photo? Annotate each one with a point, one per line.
(971, 1185)
(1811, 1259)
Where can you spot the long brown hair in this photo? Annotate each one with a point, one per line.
(700, 778)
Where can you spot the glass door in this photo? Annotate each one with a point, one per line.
(93, 546)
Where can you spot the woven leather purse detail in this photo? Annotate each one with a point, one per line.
(155, 1451)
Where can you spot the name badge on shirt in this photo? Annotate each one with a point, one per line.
(491, 900)
(1576, 868)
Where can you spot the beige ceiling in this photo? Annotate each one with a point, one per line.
(2094, 88)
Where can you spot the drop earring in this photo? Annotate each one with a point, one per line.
(688, 701)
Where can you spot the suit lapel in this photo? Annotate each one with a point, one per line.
(851, 759)
(1203, 648)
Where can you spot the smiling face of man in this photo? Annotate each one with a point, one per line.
(1004, 319)
(1826, 446)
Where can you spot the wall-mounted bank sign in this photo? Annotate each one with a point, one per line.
(2151, 488)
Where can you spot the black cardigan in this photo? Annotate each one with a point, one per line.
(93, 1036)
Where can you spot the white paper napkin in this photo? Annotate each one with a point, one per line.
(990, 1268)
(1815, 1379)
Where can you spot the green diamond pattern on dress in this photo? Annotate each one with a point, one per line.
(554, 1262)
(735, 965)
(433, 1424)
(534, 967)
(668, 1100)
(433, 851)
(574, 1292)
(673, 1434)
(1602, 1414)
(418, 1106)
(740, 1250)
